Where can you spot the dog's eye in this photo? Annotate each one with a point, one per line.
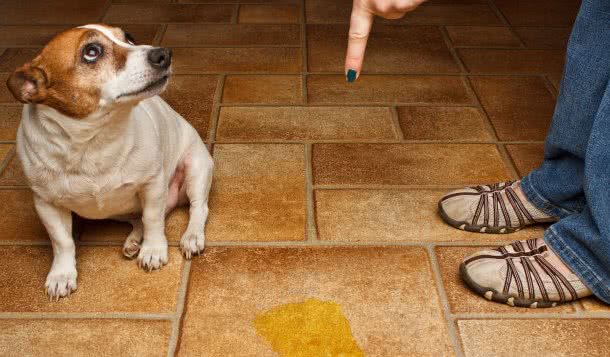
(92, 52)
(130, 39)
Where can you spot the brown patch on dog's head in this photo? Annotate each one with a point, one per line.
(69, 73)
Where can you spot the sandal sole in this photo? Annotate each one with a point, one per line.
(465, 226)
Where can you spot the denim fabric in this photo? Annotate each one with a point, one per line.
(573, 183)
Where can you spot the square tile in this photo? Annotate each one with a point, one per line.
(451, 14)
(526, 157)
(548, 337)
(192, 35)
(544, 37)
(51, 12)
(443, 123)
(305, 123)
(386, 312)
(503, 61)
(519, 107)
(13, 58)
(261, 89)
(463, 300)
(539, 12)
(392, 216)
(193, 98)
(387, 89)
(258, 193)
(13, 175)
(28, 35)
(483, 36)
(385, 52)
(407, 164)
(214, 60)
(10, 117)
(79, 337)
(107, 282)
(168, 13)
(269, 13)
(18, 217)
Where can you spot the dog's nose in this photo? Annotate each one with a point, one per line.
(160, 57)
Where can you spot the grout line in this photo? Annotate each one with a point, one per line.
(180, 303)
(105, 11)
(549, 86)
(503, 19)
(304, 52)
(235, 14)
(451, 330)
(380, 141)
(396, 124)
(85, 315)
(159, 35)
(312, 233)
(490, 127)
(215, 115)
(454, 54)
(7, 159)
(508, 161)
(531, 316)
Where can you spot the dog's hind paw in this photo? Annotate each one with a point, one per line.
(192, 244)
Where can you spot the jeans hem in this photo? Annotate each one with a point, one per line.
(538, 200)
(586, 274)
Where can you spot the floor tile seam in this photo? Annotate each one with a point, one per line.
(215, 114)
(397, 128)
(311, 228)
(180, 309)
(85, 315)
(7, 159)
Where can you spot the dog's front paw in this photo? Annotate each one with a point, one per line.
(192, 244)
(61, 281)
(152, 256)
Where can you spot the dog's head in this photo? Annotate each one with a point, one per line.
(91, 68)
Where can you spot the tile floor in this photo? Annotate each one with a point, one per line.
(325, 192)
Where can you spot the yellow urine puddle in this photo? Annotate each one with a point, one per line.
(308, 329)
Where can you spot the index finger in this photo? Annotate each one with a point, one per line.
(360, 26)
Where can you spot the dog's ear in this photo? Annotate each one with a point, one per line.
(28, 84)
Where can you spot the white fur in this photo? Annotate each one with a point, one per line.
(117, 163)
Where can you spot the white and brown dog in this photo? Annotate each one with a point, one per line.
(96, 139)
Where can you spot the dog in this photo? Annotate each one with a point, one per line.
(97, 140)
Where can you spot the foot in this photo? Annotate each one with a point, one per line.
(61, 280)
(192, 243)
(497, 208)
(152, 256)
(525, 273)
(131, 247)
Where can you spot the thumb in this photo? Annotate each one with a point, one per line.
(360, 27)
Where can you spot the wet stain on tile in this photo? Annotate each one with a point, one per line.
(310, 328)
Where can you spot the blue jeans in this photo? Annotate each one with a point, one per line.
(573, 183)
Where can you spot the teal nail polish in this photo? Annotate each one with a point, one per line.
(351, 75)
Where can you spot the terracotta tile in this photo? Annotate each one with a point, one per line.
(484, 36)
(407, 164)
(520, 108)
(210, 60)
(526, 157)
(242, 1)
(193, 96)
(324, 11)
(512, 61)
(385, 50)
(548, 337)
(79, 337)
(451, 14)
(5, 94)
(386, 311)
(260, 89)
(107, 282)
(10, 117)
(385, 89)
(544, 37)
(28, 35)
(18, 217)
(12, 58)
(13, 175)
(232, 35)
(258, 193)
(555, 80)
(539, 12)
(305, 123)
(462, 300)
(443, 123)
(142, 34)
(154, 13)
(593, 304)
(51, 12)
(140, 1)
(392, 216)
(276, 13)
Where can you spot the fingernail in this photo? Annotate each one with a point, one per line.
(351, 75)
